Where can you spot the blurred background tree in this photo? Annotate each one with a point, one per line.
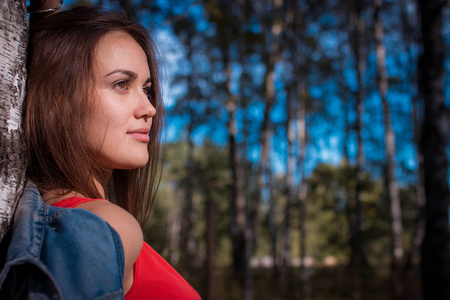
(307, 146)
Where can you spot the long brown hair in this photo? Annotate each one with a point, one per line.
(59, 104)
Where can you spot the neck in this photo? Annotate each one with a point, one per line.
(56, 195)
(53, 196)
(101, 188)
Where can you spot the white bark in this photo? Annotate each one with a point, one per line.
(13, 42)
(389, 137)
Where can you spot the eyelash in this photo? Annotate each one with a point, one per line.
(147, 90)
(117, 85)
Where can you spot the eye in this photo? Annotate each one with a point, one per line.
(121, 85)
(147, 90)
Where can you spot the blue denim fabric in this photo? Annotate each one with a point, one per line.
(59, 253)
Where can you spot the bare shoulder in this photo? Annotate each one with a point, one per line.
(121, 220)
(128, 229)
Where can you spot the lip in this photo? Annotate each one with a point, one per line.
(141, 134)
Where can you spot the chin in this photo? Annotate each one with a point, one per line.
(137, 164)
(130, 164)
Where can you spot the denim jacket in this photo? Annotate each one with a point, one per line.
(59, 253)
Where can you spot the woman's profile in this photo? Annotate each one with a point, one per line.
(92, 124)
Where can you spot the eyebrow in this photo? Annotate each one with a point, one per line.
(132, 75)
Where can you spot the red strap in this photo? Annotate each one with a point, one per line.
(73, 202)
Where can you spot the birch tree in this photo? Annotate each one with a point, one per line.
(13, 43)
(389, 140)
(272, 26)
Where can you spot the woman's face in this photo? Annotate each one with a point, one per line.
(118, 132)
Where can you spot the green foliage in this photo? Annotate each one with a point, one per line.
(326, 223)
(212, 179)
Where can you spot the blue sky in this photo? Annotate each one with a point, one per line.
(327, 146)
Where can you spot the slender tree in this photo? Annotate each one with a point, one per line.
(238, 198)
(250, 235)
(301, 97)
(409, 33)
(358, 258)
(389, 141)
(192, 108)
(272, 25)
(173, 232)
(210, 248)
(209, 173)
(13, 43)
(302, 190)
(436, 242)
(224, 15)
(273, 228)
(289, 178)
(188, 243)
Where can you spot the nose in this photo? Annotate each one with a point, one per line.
(145, 108)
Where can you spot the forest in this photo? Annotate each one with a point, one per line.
(306, 146)
(297, 144)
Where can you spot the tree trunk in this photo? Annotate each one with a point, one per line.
(173, 232)
(237, 195)
(389, 140)
(270, 58)
(210, 248)
(269, 95)
(240, 226)
(419, 230)
(358, 261)
(303, 190)
(357, 258)
(273, 230)
(436, 242)
(238, 199)
(289, 179)
(408, 32)
(13, 44)
(188, 243)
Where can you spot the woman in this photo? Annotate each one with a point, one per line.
(92, 128)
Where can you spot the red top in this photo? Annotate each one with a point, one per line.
(152, 274)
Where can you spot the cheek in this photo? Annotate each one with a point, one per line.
(94, 136)
(97, 129)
